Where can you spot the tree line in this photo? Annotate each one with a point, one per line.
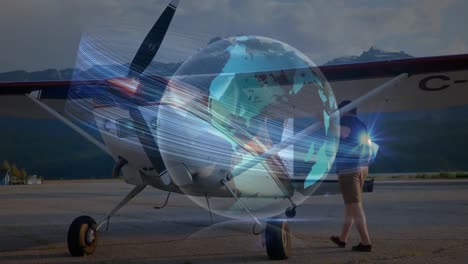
(18, 176)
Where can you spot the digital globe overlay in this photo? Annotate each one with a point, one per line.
(252, 116)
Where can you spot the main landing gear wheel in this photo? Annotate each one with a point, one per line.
(82, 236)
(278, 240)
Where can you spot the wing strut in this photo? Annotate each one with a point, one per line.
(306, 132)
(70, 124)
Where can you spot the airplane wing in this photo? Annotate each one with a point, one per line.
(52, 89)
(433, 83)
(53, 93)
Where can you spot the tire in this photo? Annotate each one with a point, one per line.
(78, 243)
(278, 240)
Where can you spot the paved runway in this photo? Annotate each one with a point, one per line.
(410, 222)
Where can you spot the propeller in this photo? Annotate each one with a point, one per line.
(152, 42)
(130, 85)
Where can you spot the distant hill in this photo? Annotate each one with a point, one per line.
(373, 54)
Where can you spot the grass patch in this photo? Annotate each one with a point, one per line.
(462, 175)
(448, 175)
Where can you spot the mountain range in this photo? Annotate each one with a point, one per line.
(373, 54)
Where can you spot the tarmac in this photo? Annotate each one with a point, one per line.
(409, 222)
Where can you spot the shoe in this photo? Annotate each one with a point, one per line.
(337, 241)
(362, 248)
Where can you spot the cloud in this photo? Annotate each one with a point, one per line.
(325, 29)
(46, 33)
(457, 46)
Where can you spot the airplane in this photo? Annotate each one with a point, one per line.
(153, 145)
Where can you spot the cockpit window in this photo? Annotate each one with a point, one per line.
(125, 128)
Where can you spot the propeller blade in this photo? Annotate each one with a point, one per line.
(152, 41)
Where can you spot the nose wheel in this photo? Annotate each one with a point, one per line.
(278, 240)
(82, 236)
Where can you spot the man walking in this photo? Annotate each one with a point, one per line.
(352, 162)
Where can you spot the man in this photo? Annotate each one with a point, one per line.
(352, 161)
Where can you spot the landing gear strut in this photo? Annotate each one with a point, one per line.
(277, 235)
(83, 232)
(278, 239)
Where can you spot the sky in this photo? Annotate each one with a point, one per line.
(41, 34)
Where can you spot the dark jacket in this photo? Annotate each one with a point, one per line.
(354, 150)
